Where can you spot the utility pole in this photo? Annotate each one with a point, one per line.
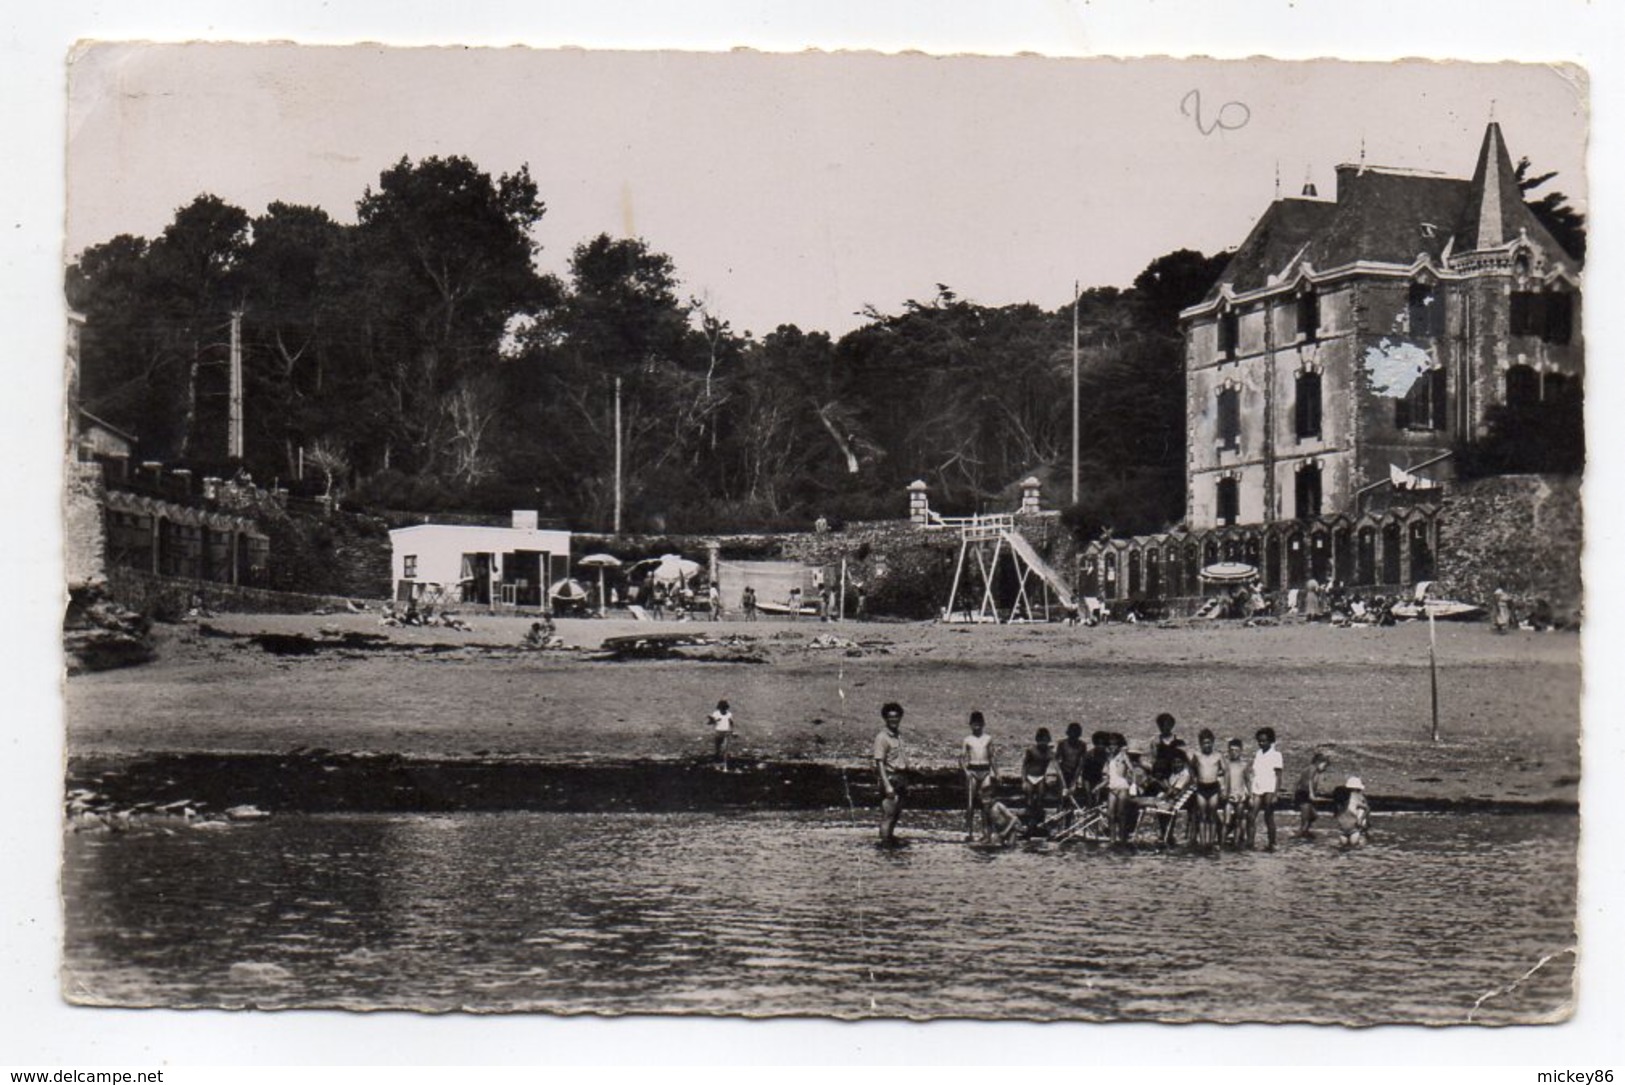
(617, 455)
(234, 435)
(1075, 296)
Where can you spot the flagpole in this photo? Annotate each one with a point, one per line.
(1433, 669)
(1074, 391)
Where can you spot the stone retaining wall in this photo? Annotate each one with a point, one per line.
(1522, 533)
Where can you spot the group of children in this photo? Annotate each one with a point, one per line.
(1226, 794)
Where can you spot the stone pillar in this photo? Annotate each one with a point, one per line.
(1029, 494)
(713, 560)
(919, 506)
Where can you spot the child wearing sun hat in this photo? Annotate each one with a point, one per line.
(1353, 813)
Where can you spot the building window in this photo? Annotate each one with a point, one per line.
(409, 567)
(1229, 418)
(1426, 308)
(1548, 317)
(1229, 333)
(1424, 406)
(1307, 408)
(1308, 491)
(1308, 315)
(1229, 502)
(1523, 387)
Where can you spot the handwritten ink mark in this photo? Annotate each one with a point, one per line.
(1227, 119)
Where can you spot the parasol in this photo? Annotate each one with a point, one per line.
(1229, 572)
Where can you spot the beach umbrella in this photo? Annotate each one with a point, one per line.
(600, 562)
(568, 590)
(1229, 572)
(670, 567)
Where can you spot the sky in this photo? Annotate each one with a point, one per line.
(800, 188)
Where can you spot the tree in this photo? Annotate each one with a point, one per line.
(442, 262)
(1566, 225)
(286, 286)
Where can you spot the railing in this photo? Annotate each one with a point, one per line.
(976, 528)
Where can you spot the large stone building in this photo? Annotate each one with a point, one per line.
(1349, 347)
(1350, 340)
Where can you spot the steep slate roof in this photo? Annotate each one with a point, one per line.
(1391, 217)
(1280, 233)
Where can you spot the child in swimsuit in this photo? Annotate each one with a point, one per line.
(1208, 766)
(1069, 755)
(1238, 785)
(1038, 775)
(1119, 785)
(1308, 790)
(976, 759)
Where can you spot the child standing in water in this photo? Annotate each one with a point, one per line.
(1208, 766)
(976, 759)
(1238, 785)
(1119, 782)
(1353, 813)
(1267, 766)
(1307, 791)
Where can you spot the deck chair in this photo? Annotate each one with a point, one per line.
(1161, 815)
(1083, 819)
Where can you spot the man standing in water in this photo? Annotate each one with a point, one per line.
(891, 766)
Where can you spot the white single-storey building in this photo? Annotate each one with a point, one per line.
(482, 566)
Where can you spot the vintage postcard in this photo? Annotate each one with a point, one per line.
(831, 535)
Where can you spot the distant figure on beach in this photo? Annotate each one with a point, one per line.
(657, 601)
(891, 768)
(976, 759)
(861, 611)
(713, 602)
(722, 730)
(747, 603)
(1266, 773)
(1353, 813)
(1314, 607)
(1308, 790)
(541, 634)
(794, 603)
(1501, 611)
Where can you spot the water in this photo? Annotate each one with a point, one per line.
(764, 914)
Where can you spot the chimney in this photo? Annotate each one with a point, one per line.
(1346, 173)
(524, 519)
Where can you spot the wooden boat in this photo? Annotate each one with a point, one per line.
(1444, 610)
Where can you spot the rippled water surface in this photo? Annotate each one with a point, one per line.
(802, 914)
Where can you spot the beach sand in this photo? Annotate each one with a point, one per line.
(1509, 705)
